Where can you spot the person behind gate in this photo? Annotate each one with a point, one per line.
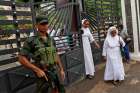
(127, 39)
(41, 49)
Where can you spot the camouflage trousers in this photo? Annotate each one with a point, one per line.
(52, 85)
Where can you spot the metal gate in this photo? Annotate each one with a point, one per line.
(20, 18)
(67, 36)
(101, 14)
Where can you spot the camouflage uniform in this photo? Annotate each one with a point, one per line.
(44, 54)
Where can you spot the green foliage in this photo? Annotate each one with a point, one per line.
(89, 5)
(101, 6)
(102, 12)
(28, 0)
(2, 17)
(5, 27)
(22, 0)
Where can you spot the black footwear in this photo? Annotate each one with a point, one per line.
(89, 77)
(119, 82)
(127, 61)
(115, 83)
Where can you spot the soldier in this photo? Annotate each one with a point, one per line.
(123, 33)
(41, 49)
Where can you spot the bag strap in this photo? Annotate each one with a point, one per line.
(120, 41)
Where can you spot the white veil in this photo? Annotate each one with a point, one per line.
(83, 21)
(113, 41)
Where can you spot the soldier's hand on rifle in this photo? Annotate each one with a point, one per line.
(104, 58)
(40, 73)
(62, 74)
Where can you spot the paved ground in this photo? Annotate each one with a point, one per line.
(97, 85)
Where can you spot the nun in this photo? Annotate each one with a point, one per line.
(87, 39)
(114, 70)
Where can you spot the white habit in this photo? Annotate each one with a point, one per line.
(87, 39)
(111, 50)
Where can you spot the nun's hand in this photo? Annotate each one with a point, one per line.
(97, 45)
(104, 58)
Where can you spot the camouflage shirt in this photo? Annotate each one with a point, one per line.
(42, 52)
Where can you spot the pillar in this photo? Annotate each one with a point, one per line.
(136, 29)
(123, 13)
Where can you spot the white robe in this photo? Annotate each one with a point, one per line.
(114, 67)
(87, 39)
